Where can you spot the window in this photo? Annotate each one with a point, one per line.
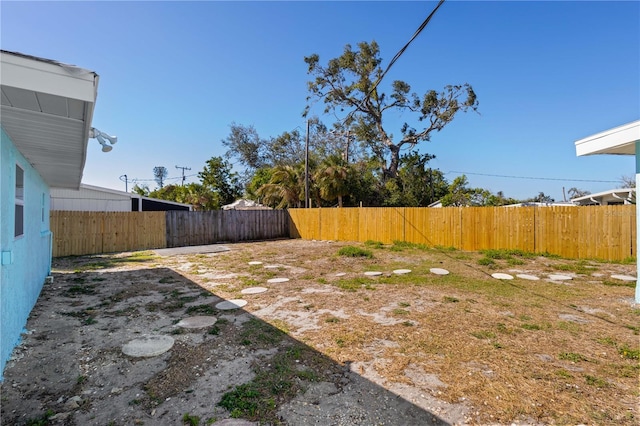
(19, 217)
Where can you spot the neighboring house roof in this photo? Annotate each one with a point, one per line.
(47, 108)
(539, 204)
(243, 204)
(108, 200)
(620, 140)
(612, 196)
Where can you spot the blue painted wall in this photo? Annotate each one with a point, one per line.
(25, 261)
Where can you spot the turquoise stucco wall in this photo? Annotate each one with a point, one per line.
(25, 260)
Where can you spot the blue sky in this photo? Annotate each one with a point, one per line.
(175, 75)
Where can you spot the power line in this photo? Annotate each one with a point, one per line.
(401, 51)
(396, 57)
(531, 177)
(134, 180)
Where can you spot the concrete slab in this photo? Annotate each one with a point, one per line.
(231, 304)
(624, 277)
(501, 276)
(560, 277)
(254, 290)
(148, 346)
(197, 322)
(235, 422)
(174, 251)
(528, 277)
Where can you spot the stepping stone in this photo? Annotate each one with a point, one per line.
(341, 274)
(255, 262)
(624, 277)
(373, 273)
(501, 276)
(231, 304)
(573, 318)
(148, 346)
(235, 422)
(278, 280)
(528, 277)
(402, 271)
(272, 266)
(439, 271)
(197, 322)
(254, 290)
(560, 277)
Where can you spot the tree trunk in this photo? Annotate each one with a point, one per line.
(392, 171)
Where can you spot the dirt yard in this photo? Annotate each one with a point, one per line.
(332, 345)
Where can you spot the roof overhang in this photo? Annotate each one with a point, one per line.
(47, 108)
(620, 141)
(612, 195)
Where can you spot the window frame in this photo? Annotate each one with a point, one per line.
(19, 203)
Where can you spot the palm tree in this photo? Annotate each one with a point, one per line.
(286, 187)
(331, 178)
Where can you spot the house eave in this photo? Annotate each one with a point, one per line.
(47, 110)
(620, 140)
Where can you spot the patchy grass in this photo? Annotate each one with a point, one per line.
(354, 284)
(351, 251)
(260, 334)
(374, 244)
(275, 383)
(404, 245)
(505, 347)
(93, 263)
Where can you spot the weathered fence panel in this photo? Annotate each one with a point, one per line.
(78, 233)
(199, 228)
(602, 232)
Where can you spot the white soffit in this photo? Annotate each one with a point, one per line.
(619, 140)
(47, 108)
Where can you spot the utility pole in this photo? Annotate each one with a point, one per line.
(306, 169)
(346, 151)
(183, 169)
(126, 182)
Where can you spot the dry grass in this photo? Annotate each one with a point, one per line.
(533, 351)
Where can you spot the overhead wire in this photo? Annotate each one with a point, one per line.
(531, 177)
(396, 57)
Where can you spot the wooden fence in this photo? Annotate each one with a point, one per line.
(78, 233)
(602, 232)
(197, 228)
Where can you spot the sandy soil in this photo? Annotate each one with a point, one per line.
(70, 368)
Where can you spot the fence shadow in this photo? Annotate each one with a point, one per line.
(70, 365)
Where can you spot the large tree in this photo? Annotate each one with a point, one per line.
(349, 82)
(218, 177)
(331, 178)
(419, 184)
(285, 188)
(160, 173)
